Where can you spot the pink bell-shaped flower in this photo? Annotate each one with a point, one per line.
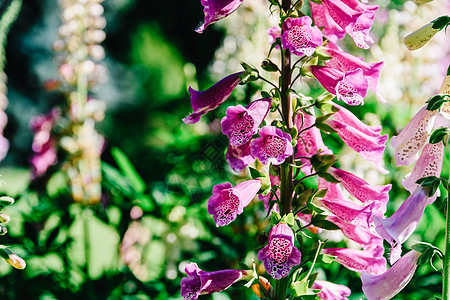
(300, 36)
(280, 255)
(273, 146)
(216, 10)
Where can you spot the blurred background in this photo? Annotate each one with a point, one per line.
(111, 192)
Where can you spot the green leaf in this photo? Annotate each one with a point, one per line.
(127, 168)
(321, 163)
(265, 94)
(436, 102)
(321, 119)
(4, 252)
(328, 177)
(441, 22)
(255, 173)
(320, 193)
(327, 259)
(440, 134)
(299, 288)
(276, 218)
(430, 182)
(325, 224)
(289, 219)
(242, 266)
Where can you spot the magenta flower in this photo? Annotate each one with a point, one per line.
(227, 202)
(370, 261)
(429, 164)
(368, 147)
(362, 190)
(345, 62)
(206, 101)
(385, 286)
(331, 291)
(355, 17)
(310, 141)
(273, 146)
(300, 36)
(322, 18)
(216, 10)
(399, 227)
(200, 282)
(347, 117)
(241, 122)
(413, 137)
(280, 255)
(358, 234)
(350, 87)
(338, 204)
(274, 33)
(239, 157)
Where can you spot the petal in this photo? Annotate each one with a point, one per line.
(213, 282)
(246, 191)
(385, 286)
(347, 117)
(413, 137)
(331, 291)
(371, 261)
(258, 110)
(216, 10)
(208, 100)
(328, 77)
(239, 157)
(352, 88)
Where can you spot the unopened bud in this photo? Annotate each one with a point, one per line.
(257, 287)
(4, 218)
(16, 262)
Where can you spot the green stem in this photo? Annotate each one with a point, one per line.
(286, 175)
(87, 246)
(446, 273)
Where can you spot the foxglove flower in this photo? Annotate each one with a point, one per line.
(399, 227)
(429, 164)
(331, 291)
(362, 190)
(370, 261)
(350, 87)
(413, 137)
(200, 282)
(347, 117)
(274, 33)
(280, 255)
(370, 148)
(227, 202)
(239, 157)
(385, 286)
(355, 17)
(310, 141)
(417, 39)
(206, 101)
(345, 62)
(338, 204)
(241, 122)
(216, 10)
(300, 36)
(273, 146)
(358, 234)
(322, 18)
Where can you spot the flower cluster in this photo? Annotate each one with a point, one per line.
(289, 149)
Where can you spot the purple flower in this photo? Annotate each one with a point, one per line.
(300, 37)
(413, 137)
(362, 190)
(370, 261)
(355, 17)
(359, 234)
(273, 146)
(347, 117)
(200, 282)
(429, 164)
(241, 122)
(331, 291)
(227, 202)
(280, 255)
(399, 227)
(239, 157)
(368, 147)
(206, 101)
(350, 87)
(345, 62)
(310, 141)
(322, 18)
(274, 33)
(385, 286)
(216, 10)
(338, 204)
